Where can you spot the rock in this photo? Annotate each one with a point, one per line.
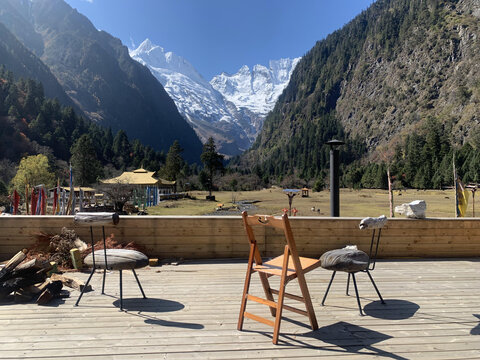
(414, 210)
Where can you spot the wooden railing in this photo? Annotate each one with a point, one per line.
(206, 237)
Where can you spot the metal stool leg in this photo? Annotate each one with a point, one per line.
(121, 290)
(86, 284)
(328, 287)
(356, 292)
(138, 282)
(103, 282)
(348, 283)
(375, 286)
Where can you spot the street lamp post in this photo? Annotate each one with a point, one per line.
(334, 177)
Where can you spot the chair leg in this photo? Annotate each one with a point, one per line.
(86, 285)
(246, 286)
(348, 284)
(356, 293)
(138, 282)
(328, 288)
(307, 299)
(375, 286)
(281, 294)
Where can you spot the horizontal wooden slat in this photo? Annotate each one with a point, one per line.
(216, 236)
(259, 319)
(290, 296)
(262, 301)
(295, 310)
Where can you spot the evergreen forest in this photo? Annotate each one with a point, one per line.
(398, 84)
(32, 124)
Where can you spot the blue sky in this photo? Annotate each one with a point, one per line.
(222, 35)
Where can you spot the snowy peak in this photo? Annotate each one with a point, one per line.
(258, 89)
(145, 47)
(156, 57)
(230, 108)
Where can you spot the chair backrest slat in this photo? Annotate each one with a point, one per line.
(282, 223)
(265, 220)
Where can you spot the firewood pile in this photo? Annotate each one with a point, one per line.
(28, 281)
(32, 274)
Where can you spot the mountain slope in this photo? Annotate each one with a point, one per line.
(231, 109)
(23, 63)
(97, 72)
(376, 80)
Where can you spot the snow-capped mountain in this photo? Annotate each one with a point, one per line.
(231, 109)
(258, 89)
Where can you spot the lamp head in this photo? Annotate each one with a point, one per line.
(333, 143)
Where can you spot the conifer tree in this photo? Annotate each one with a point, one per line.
(85, 164)
(212, 162)
(174, 162)
(121, 149)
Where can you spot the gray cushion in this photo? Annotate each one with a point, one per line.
(348, 260)
(118, 259)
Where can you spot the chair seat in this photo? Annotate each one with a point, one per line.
(348, 260)
(118, 259)
(274, 266)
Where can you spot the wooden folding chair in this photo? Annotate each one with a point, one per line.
(288, 266)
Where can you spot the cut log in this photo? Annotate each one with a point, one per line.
(100, 218)
(76, 259)
(52, 290)
(34, 263)
(10, 285)
(70, 282)
(12, 263)
(36, 289)
(30, 268)
(117, 259)
(22, 297)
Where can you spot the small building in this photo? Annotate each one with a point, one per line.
(148, 189)
(305, 192)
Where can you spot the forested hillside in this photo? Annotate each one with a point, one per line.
(399, 83)
(30, 124)
(96, 71)
(23, 63)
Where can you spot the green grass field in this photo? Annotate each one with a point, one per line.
(353, 203)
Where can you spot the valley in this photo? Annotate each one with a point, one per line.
(353, 203)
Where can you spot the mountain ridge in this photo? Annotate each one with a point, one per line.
(98, 74)
(373, 82)
(233, 124)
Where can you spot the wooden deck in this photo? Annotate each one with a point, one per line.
(432, 312)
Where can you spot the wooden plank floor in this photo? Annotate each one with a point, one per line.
(432, 312)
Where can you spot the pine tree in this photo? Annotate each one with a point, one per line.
(212, 161)
(174, 162)
(121, 150)
(85, 164)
